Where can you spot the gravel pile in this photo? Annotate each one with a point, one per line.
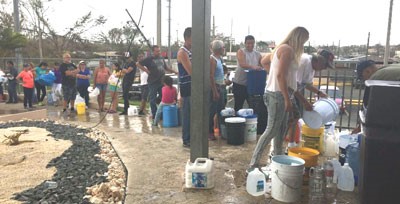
(88, 172)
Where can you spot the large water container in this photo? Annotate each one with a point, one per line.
(170, 116)
(199, 174)
(256, 80)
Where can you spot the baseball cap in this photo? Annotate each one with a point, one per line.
(26, 65)
(82, 62)
(328, 55)
(361, 66)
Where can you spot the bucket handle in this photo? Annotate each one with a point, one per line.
(277, 175)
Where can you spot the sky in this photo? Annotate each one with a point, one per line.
(329, 22)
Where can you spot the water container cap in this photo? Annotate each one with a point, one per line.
(250, 116)
(235, 120)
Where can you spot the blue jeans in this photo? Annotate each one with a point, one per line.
(83, 92)
(215, 108)
(276, 128)
(126, 86)
(186, 120)
(12, 91)
(159, 111)
(154, 89)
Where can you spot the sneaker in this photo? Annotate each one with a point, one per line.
(186, 145)
(8, 102)
(141, 113)
(111, 111)
(123, 113)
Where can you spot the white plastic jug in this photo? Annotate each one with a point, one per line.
(199, 174)
(337, 169)
(346, 178)
(94, 93)
(133, 111)
(256, 183)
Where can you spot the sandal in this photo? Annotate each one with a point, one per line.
(111, 111)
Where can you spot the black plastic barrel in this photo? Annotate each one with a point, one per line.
(235, 128)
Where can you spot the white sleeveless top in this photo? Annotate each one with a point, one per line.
(272, 82)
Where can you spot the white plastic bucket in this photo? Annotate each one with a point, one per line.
(250, 132)
(287, 178)
(325, 110)
(199, 174)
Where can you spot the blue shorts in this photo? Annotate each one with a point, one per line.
(101, 87)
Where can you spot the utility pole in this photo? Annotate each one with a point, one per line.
(230, 38)
(366, 54)
(18, 55)
(338, 52)
(387, 49)
(213, 28)
(159, 23)
(177, 38)
(199, 113)
(169, 32)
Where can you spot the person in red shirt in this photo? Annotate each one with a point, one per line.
(28, 83)
(169, 95)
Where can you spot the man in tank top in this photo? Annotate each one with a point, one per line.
(184, 59)
(247, 58)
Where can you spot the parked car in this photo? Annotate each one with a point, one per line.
(335, 93)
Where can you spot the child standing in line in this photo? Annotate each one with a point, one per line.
(114, 82)
(28, 83)
(169, 95)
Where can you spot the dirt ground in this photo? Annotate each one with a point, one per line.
(23, 166)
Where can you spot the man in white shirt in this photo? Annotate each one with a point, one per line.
(323, 59)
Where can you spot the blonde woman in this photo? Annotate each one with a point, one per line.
(281, 84)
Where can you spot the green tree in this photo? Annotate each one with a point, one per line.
(9, 41)
(38, 27)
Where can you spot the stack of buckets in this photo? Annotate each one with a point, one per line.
(226, 113)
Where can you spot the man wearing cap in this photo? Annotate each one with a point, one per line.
(305, 74)
(367, 70)
(155, 66)
(129, 72)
